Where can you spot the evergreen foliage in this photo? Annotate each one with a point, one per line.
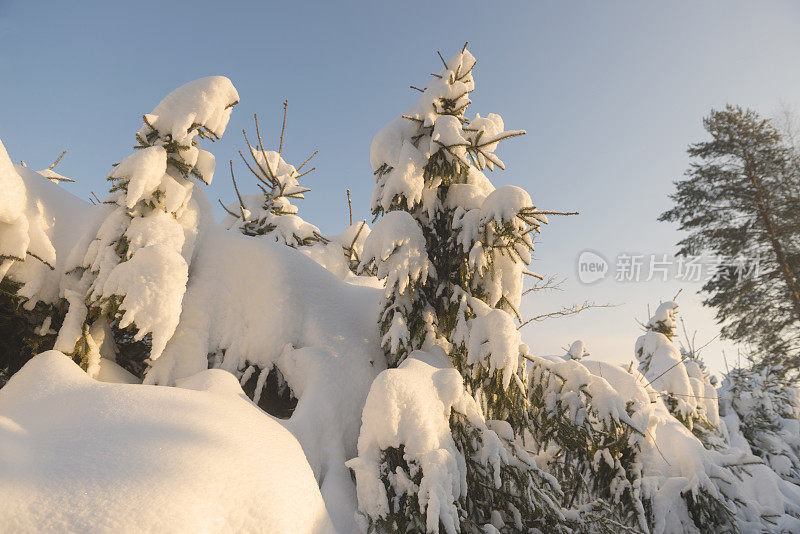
(271, 214)
(739, 201)
(765, 407)
(23, 332)
(595, 455)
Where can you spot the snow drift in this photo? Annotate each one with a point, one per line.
(79, 455)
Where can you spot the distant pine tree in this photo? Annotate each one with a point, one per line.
(739, 201)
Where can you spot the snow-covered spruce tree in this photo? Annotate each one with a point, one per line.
(133, 275)
(271, 213)
(686, 389)
(764, 407)
(453, 251)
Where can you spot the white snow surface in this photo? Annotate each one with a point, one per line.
(77, 455)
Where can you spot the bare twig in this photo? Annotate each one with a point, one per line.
(352, 255)
(226, 209)
(657, 447)
(443, 61)
(258, 176)
(258, 134)
(238, 195)
(691, 345)
(540, 212)
(550, 284)
(565, 312)
(307, 160)
(53, 165)
(350, 208)
(312, 169)
(283, 127)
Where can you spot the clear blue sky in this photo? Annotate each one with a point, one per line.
(610, 93)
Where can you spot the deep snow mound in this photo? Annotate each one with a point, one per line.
(79, 455)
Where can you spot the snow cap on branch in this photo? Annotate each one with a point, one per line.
(202, 106)
(397, 248)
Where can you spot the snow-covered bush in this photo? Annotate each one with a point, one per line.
(590, 438)
(614, 441)
(763, 407)
(424, 433)
(577, 350)
(679, 377)
(341, 254)
(271, 214)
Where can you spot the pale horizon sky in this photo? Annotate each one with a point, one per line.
(611, 94)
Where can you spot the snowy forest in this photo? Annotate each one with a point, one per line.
(163, 370)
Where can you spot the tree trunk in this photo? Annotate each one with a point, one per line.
(766, 217)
